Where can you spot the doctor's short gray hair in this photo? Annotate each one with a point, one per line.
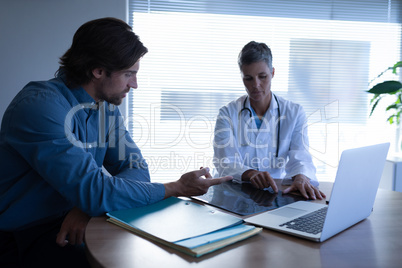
(255, 52)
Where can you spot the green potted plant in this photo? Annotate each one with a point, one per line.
(389, 88)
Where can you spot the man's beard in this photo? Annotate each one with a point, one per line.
(115, 100)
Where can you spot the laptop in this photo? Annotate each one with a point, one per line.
(352, 199)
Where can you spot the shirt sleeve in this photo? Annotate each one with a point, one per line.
(39, 134)
(124, 159)
(228, 159)
(300, 160)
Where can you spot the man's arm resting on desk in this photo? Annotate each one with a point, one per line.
(190, 184)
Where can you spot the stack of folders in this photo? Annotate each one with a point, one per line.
(183, 225)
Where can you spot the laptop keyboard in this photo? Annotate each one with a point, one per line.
(311, 223)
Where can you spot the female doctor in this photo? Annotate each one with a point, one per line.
(261, 136)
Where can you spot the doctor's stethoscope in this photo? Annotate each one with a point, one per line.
(279, 121)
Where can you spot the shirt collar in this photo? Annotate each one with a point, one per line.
(79, 93)
(272, 109)
(82, 96)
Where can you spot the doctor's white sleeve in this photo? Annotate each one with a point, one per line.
(300, 160)
(228, 160)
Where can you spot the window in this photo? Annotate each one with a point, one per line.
(324, 53)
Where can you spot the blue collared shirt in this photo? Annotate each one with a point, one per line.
(53, 144)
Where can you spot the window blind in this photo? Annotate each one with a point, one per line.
(325, 53)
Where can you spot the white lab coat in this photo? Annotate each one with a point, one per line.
(239, 145)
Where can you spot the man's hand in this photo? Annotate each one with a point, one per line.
(193, 183)
(260, 179)
(302, 184)
(73, 228)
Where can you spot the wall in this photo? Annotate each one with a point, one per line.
(34, 34)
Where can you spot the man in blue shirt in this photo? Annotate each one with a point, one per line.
(55, 138)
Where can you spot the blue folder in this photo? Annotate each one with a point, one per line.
(192, 228)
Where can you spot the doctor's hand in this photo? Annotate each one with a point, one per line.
(259, 179)
(193, 183)
(72, 229)
(302, 184)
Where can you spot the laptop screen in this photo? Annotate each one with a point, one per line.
(244, 199)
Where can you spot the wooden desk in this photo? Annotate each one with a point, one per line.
(374, 242)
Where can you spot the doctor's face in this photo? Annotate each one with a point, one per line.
(257, 79)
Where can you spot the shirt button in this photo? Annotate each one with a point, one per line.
(90, 146)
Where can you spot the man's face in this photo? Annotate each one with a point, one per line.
(115, 87)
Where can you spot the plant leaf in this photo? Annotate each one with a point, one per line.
(398, 117)
(391, 119)
(387, 87)
(375, 105)
(392, 106)
(397, 65)
(393, 68)
(398, 99)
(378, 76)
(374, 98)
